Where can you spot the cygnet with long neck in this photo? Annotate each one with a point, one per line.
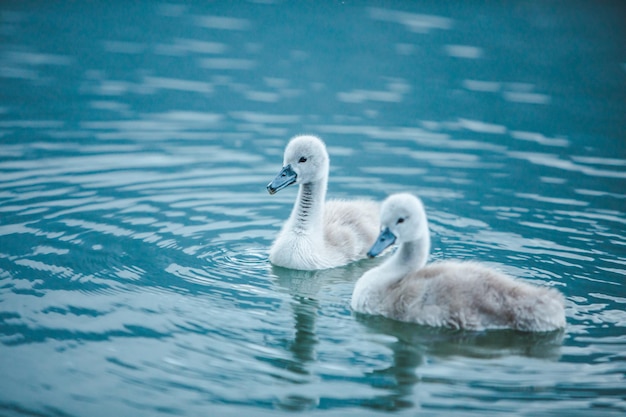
(462, 295)
(319, 234)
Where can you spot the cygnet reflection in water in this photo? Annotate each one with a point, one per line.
(413, 346)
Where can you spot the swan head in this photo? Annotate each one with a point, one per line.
(305, 161)
(402, 219)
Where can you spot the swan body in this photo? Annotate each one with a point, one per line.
(319, 234)
(463, 295)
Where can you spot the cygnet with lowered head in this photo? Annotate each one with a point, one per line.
(319, 234)
(462, 295)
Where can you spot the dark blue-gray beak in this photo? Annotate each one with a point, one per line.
(285, 177)
(385, 239)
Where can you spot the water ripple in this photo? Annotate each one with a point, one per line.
(134, 222)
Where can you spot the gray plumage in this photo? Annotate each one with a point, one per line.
(464, 295)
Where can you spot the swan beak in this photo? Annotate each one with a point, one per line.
(385, 239)
(285, 177)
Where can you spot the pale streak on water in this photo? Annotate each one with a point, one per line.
(135, 223)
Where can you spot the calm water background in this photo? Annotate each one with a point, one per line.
(136, 140)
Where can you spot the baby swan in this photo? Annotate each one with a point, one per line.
(462, 295)
(319, 234)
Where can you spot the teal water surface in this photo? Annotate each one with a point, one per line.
(136, 140)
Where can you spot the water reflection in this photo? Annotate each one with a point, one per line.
(303, 346)
(413, 346)
(443, 342)
(304, 287)
(398, 379)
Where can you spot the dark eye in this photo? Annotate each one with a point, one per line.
(400, 220)
(302, 160)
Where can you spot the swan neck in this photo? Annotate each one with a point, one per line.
(413, 255)
(372, 288)
(308, 212)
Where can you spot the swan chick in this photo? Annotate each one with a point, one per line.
(319, 234)
(462, 295)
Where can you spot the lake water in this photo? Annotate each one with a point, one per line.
(136, 140)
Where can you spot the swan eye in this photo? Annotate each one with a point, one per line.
(301, 160)
(400, 220)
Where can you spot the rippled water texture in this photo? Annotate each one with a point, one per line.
(136, 140)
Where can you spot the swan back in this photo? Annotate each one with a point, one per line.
(470, 295)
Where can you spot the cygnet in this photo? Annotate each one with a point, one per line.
(319, 234)
(462, 295)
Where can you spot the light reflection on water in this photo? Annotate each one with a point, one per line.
(134, 221)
